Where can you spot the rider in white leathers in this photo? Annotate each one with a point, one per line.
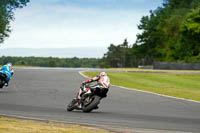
(103, 81)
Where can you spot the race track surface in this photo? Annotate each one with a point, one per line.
(44, 93)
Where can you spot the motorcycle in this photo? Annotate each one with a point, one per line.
(2, 80)
(89, 101)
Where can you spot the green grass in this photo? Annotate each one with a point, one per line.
(151, 70)
(11, 125)
(178, 85)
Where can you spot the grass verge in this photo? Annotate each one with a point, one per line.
(13, 125)
(152, 70)
(178, 85)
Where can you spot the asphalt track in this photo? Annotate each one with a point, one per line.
(44, 93)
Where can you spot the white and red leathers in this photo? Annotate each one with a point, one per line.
(103, 81)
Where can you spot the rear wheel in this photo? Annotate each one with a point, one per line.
(90, 103)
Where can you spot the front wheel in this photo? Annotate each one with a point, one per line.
(90, 103)
(70, 106)
(1, 84)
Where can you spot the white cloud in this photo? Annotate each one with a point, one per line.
(38, 26)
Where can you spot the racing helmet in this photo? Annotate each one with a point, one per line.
(9, 64)
(103, 74)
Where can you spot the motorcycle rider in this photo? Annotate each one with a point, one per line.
(102, 81)
(8, 71)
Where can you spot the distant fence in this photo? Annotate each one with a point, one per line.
(176, 66)
(145, 67)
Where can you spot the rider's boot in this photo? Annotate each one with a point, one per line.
(80, 105)
(6, 84)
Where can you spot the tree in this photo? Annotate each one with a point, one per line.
(7, 8)
(190, 39)
(118, 56)
(149, 42)
(113, 57)
(170, 33)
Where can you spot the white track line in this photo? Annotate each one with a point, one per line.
(80, 72)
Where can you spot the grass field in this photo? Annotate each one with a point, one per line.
(178, 85)
(153, 70)
(11, 125)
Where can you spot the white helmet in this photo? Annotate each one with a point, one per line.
(9, 64)
(103, 74)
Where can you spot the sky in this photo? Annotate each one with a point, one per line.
(77, 23)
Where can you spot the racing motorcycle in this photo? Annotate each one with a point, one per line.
(2, 80)
(89, 101)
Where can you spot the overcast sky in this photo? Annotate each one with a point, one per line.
(77, 23)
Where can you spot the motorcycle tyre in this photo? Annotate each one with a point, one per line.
(70, 106)
(92, 105)
(1, 84)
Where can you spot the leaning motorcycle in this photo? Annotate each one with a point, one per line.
(89, 101)
(2, 80)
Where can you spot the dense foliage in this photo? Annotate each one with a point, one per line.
(170, 33)
(52, 62)
(117, 56)
(7, 8)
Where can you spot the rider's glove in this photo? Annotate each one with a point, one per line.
(82, 84)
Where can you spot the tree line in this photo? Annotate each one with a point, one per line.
(170, 33)
(52, 62)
